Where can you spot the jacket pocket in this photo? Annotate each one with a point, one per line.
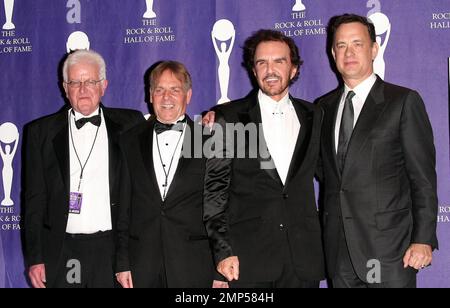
(393, 219)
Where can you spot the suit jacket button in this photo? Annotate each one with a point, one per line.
(285, 196)
(281, 227)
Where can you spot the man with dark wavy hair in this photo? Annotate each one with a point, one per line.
(260, 210)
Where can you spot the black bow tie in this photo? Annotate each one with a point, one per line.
(162, 127)
(95, 120)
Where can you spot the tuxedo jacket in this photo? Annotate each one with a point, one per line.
(250, 214)
(385, 199)
(155, 234)
(47, 182)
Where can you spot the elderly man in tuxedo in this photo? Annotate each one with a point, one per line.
(72, 181)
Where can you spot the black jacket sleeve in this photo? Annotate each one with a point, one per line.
(216, 192)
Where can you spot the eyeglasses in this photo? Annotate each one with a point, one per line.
(87, 83)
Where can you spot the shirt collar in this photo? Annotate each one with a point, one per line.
(363, 89)
(79, 115)
(270, 105)
(178, 120)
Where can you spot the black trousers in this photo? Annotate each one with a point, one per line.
(147, 281)
(287, 279)
(87, 262)
(346, 276)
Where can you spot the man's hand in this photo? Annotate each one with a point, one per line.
(217, 284)
(209, 119)
(37, 276)
(418, 256)
(229, 268)
(125, 280)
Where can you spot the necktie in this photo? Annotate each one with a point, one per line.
(162, 127)
(95, 120)
(346, 130)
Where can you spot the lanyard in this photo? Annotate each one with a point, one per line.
(83, 166)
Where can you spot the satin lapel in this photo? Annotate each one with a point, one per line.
(254, 116)
(61, 147)
(370, 113)
(113, 130)
(188, 143)
(304, 136)
(146, 142)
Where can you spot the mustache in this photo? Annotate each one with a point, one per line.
(271, 76)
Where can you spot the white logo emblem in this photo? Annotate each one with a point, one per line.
(9, 7)
(149, 13)
(299, 6)
(77, 40)
(9, 139)
(222, 32)
(382, 26)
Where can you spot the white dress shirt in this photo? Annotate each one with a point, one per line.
(170, 145)
(361, 93)
(95, 213)
(281, 128)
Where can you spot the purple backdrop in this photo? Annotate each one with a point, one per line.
(415, 37)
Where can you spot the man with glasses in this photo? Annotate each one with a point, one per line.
(71, 182)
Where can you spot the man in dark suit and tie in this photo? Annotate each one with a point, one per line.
(162, 241)
(71, 182)
(378, 162)
(260, 208)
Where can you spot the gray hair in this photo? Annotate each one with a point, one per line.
(84, 56)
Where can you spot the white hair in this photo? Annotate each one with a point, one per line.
(84, 56)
